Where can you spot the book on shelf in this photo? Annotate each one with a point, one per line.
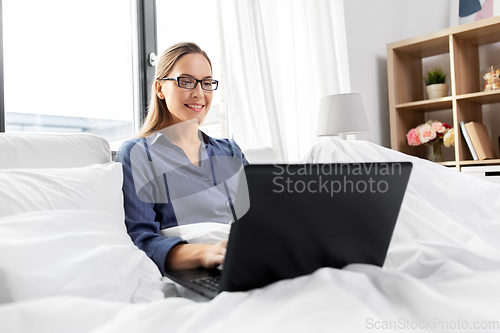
(468, 140)
(480, 139)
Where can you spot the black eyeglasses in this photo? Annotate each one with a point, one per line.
(191, 82)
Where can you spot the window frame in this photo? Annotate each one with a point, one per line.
(145, 44)
(143, 21)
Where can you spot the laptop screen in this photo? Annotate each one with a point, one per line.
(306, 216)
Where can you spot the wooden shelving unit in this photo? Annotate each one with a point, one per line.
(406, 88)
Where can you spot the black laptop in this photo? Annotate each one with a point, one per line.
(303, 217)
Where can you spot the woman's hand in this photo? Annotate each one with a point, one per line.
(185, 256)
(214, 255)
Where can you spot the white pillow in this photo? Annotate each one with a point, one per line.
(52, 150)
(96, 187)
(73, 252)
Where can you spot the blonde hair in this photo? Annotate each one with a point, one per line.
(158, 115)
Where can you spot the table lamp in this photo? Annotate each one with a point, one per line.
(341, 115)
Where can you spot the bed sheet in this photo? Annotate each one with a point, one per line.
(441, 274)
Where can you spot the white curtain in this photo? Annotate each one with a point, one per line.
(279, 58)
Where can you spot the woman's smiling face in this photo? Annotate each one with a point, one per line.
(186, 104)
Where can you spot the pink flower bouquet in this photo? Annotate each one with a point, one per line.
(433, 133)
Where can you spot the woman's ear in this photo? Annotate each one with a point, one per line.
(158, 91)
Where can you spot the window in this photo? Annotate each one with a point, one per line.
(71, 66)
(68, 67)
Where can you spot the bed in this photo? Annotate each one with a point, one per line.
(68, 265)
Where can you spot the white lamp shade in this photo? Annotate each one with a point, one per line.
(342, 114)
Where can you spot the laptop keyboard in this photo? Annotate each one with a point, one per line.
(211, 283)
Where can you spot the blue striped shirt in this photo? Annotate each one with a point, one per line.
(163, 189)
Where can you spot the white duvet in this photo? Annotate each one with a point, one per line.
(442, 273)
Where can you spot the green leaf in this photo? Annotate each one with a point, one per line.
(435, 76)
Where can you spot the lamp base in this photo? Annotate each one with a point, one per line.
(341, 136)
(345, 136)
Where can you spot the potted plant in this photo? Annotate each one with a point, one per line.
(435, 82)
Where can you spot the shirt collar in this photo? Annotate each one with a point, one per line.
(205, 138)
(152, 138)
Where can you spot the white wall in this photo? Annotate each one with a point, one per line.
(370, 26)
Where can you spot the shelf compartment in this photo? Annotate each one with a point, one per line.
(466, 111)
(481, 32)
(408, 70)
(466, 54)
(411, 115)
(465, 72)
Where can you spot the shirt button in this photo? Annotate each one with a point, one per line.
(206, 179)
(227, 203)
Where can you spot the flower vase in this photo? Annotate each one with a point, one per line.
(434, 153)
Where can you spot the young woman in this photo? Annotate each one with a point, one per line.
(174, 174)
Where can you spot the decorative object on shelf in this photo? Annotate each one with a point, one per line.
(436, 83)
(468, 140)
(491, 77)
(481, 141)
(435, 134)
(341, 115)
(435, 154)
